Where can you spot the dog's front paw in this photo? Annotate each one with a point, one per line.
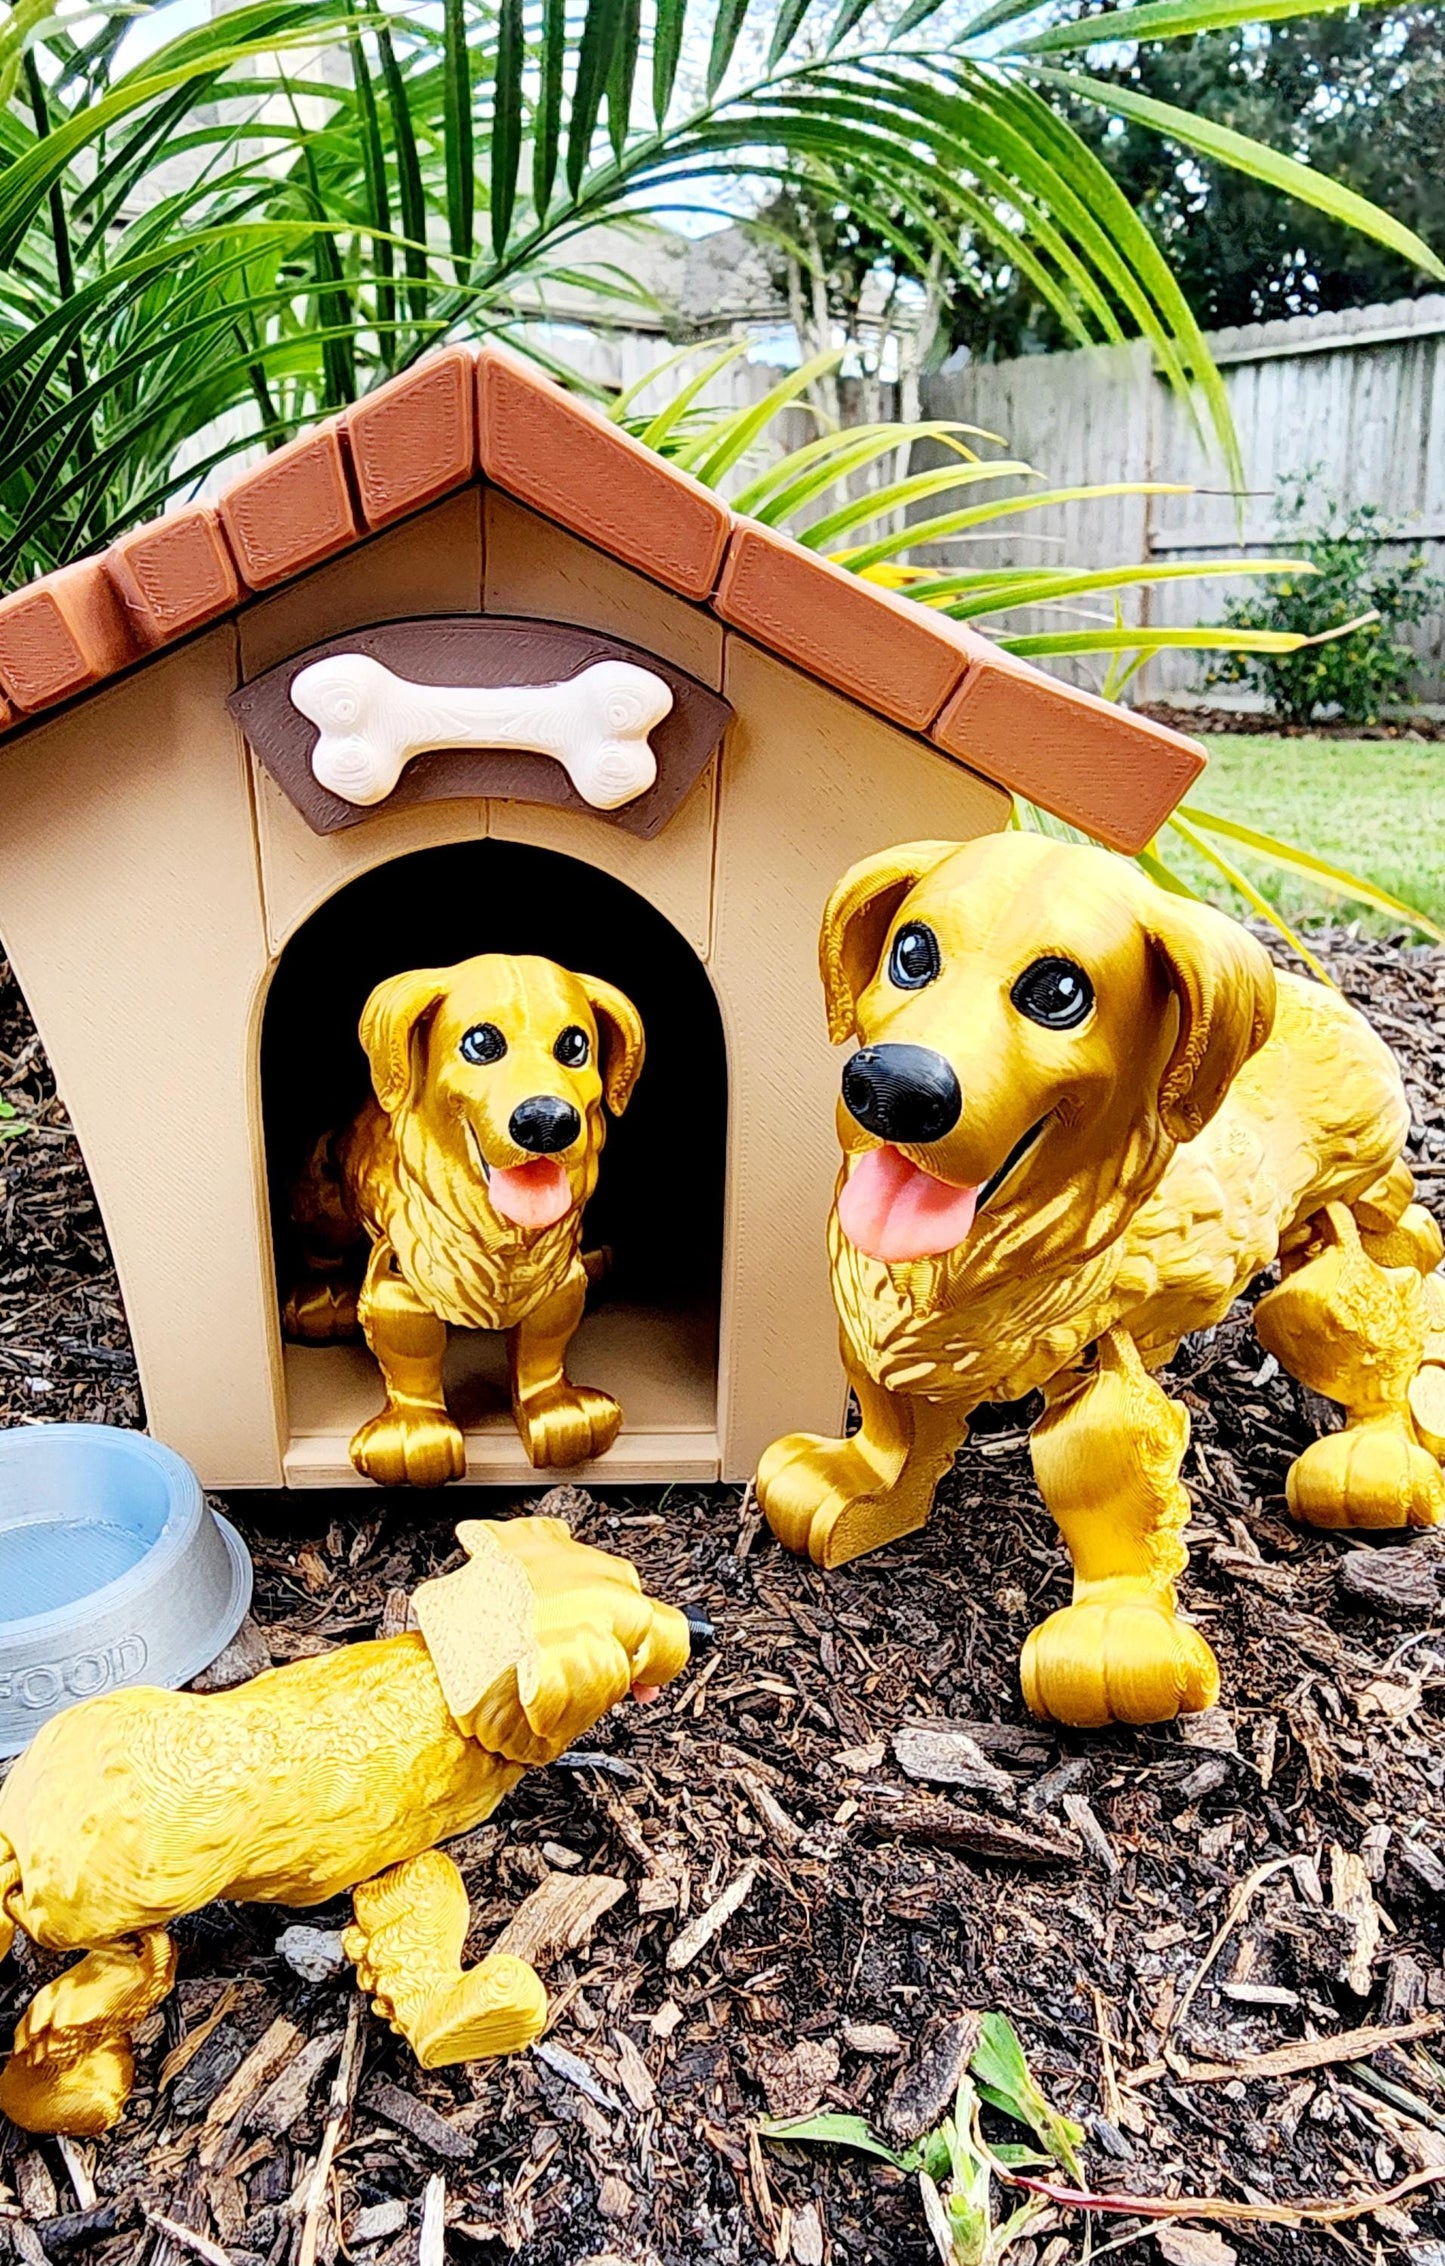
(1125, 1660)
(568, 1425)
(407, 1447)
(822, 1498)
(1369, 1475)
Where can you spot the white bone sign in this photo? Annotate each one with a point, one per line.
(372, 722)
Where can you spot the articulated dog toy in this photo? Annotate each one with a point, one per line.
(1082, 1116)
(469, 1172)
(337, 1772)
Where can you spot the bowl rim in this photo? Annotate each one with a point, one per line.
(185, 1510)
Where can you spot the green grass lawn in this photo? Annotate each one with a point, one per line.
(1375, 807)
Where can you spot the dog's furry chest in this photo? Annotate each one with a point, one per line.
(470, 1281)
(912, 1329)
(476, 1275)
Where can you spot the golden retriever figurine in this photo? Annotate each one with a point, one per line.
(1082, 1115)
(339, 1771)
(469, 1172)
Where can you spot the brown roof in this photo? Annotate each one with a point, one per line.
(465, 414)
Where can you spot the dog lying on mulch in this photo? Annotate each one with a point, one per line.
(336, 1772)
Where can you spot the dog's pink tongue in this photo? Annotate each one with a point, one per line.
(894, 1210)
(531, 1195)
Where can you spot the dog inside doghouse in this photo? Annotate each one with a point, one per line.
(652, 1232)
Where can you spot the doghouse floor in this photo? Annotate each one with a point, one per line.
(660, 1363)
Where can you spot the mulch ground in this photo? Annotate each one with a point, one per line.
(1079, 1883)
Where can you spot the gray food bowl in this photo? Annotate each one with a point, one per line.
(113, 1570)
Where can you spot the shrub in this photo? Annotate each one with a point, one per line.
(1358, 570)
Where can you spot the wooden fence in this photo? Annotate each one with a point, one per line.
(1355, 401)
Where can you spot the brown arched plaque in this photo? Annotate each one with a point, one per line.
(481, 650)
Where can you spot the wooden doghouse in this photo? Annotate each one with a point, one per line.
(195, 921)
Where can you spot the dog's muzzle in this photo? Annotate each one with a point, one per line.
(902, 1093)
(543, 1124)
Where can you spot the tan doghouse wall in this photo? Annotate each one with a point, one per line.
(150, 876)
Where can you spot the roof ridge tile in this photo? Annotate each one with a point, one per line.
(565, 459)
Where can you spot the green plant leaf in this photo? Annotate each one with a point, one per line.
(1004, 2079)
(727, 24)
(1338, 880)
(1239, 880)
(506, 119)
(600, 30)
(666, 54)
(1167, 19)
(1261, 163)
(833, 2129)
(547, 122)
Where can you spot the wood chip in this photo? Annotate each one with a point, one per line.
(1351, 1898)
(698, 1933)
(558, 1916)
(277, 2045)
(947, 1825)
(794, 2078)
(786, 1832)
(807, 2236)
(431, 2246)
(871, 2038)
(637, 2079)
(659, 1895)
(924, 2088)
(575, 2071)
(1193, 2246)
(180, 2057)
(944, 1754)
(79, 2230)
(247, 1655)
(284, 2100)
(76, 2159)
(187, 2239)
(1080, 1814)
(412, 2116)
(1388, 1581)
(312, 2193)
(1311, 2053)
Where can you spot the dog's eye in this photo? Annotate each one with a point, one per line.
(1055, 993)
(572, 1048)
(483, 1043)
(914, 960)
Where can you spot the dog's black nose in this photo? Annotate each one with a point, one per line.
(902, 1093)
(544, 1123)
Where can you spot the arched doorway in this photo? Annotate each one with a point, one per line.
(650, 1335)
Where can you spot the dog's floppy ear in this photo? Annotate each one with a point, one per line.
(389, 1026)
(1224, 984)
(619, 1028)
(856, 921)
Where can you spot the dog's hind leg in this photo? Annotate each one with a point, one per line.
(836, 1499)
(560, 1423)
(322, 1306)
(406, 1942)
(71, 2067)
(1371, 1336)
(1107, 1453)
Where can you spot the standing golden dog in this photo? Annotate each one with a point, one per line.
(1082, 1115)
(469, 1172)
